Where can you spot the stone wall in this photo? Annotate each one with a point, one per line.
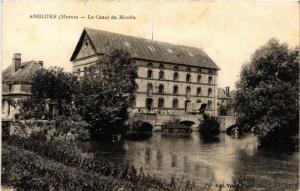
(226, 121)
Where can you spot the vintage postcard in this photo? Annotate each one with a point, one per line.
(150, 95)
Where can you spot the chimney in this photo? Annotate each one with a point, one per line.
(16, 62)
(40, 62)
(227, 91)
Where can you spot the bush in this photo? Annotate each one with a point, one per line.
(27, 171)
(267, 96)
(209, 126)
(67, 153)
(73, 128)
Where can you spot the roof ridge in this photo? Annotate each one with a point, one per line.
(147, 39)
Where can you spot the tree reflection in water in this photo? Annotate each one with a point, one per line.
(208, 162)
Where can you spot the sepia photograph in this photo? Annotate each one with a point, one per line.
(158, 95)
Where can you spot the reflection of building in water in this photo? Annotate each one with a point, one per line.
(173, 160)
(172, 79)
(159, 159)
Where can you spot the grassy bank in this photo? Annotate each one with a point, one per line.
(26, 170)
(38, 153)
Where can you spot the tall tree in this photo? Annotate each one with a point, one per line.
(267, 98)
(50, 85)
(107, 91)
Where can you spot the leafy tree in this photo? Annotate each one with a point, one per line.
(106, 92)
(209, 126)
(267, 98)
(50, 86)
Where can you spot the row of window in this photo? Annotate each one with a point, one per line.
(176, 90)
(188, 69)
(161, 76)
(175, 103)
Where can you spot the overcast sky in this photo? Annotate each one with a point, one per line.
(228, 32)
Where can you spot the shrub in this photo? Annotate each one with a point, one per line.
(27, 171)
(209, 126)
(67, 153)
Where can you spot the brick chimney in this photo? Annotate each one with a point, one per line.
(227, 91)
(41, 63)
(16, 62)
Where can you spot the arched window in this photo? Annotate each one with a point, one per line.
(188, 91)
(160, 102)
(175, 103)
(149, 90)
(209, 92)
(149, 102)
(199, 77)
(176, 76)
(161, 74)
(175, 90)
(209, 104)
(149, 74)
(209, 79)
(188, 77)
(199, 91)
(161, 89)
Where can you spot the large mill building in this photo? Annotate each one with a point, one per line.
(172, 79)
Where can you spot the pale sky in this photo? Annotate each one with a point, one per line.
(229, 32)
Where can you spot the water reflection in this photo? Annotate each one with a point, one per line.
(222, 161)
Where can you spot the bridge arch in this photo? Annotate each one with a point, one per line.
(187, 123)
(142, 126)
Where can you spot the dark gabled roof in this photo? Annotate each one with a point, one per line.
(23, 75)
(145, 49)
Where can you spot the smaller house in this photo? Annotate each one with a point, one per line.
(16, 84)
(225, 99)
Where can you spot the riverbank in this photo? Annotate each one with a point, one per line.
(35, 163)
(219, 161)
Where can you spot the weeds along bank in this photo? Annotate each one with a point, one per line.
(61, 128)
(41, 163)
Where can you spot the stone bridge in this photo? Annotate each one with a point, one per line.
(156, 120)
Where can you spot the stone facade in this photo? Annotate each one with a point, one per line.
(174, 89)
(164, 88)
(16, 84)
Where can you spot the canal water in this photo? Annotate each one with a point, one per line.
(213, 163)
